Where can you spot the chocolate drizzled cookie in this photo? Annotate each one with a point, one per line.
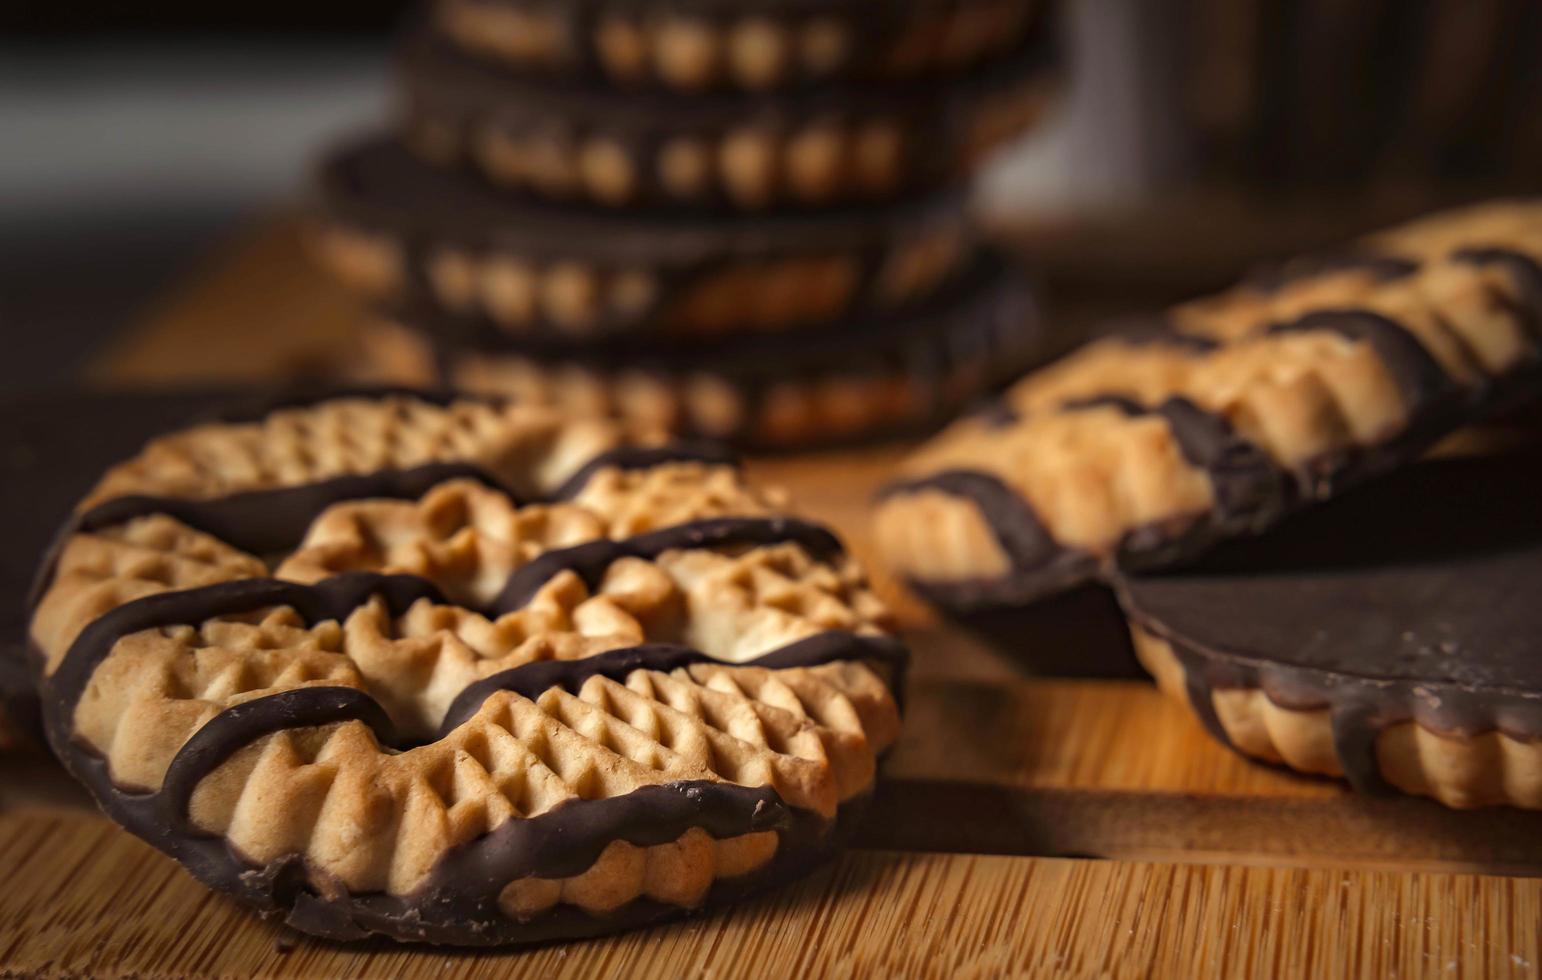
(1389, 637)
(460, 671)
(772, 392)
(756, 46)
(821, 148)
(398, 229)
(1145, 448)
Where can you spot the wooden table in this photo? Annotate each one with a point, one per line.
(1030, 825)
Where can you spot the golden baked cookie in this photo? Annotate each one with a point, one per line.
(461, 671)
(1216, 420)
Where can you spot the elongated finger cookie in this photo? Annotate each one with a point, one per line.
(820, 387)
(400, 230)
(1390, 637)
(1143, 449)
(758, 46)
(819, 149)
(460, 671)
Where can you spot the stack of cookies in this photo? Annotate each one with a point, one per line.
(741, 219)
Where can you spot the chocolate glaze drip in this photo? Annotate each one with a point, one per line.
(1402, 602)
(590, 559)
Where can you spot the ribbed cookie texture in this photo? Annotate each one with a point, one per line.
(768, 392)
(820, 148)
(461, 671)
(1227, 413)
(400, 230)
(757, 46)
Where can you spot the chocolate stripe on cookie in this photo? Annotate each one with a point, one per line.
(264, 521)
(1011, 518)
(642, 458)
(530, 680)
(1247, 484)
(1418, 375)
(590, 559)
(332, 598)
(1525, 271)
(276, 519)
(222, 736)
(1249, 488)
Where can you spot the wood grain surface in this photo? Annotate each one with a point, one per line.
(1027, 824)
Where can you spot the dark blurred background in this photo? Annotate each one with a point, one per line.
(136, 137)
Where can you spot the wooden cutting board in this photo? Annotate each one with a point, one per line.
(1027, 824)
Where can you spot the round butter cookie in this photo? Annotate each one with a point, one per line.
(461, 671)
(1145, 448)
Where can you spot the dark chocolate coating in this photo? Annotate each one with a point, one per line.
(591, 558)
(1412, 599)
(1251, 491)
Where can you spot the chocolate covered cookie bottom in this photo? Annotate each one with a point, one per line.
(1390, 637)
